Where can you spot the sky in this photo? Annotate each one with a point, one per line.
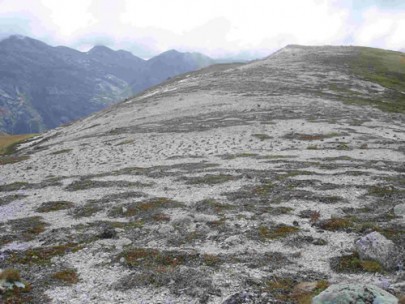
(243, 29)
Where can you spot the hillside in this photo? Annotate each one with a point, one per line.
(231, 184)
(42, 87)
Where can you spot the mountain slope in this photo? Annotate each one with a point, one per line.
(230, 184)
(42, 87)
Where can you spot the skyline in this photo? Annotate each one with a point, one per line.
(219, 29)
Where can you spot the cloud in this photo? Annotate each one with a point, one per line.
(215, 27)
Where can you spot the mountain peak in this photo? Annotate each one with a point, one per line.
(100, 49)
(20, 39)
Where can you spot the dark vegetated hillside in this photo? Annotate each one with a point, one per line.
(42, 87)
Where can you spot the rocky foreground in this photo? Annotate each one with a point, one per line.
(257, 183)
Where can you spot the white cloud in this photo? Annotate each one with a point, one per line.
(215, 27)
(382, 29)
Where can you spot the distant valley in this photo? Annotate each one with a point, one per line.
(42, 87)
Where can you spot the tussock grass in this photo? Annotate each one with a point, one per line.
(66, 276)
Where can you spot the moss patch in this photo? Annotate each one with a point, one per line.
(262, 136)
(61, 151)
(86, 184)
(5, 160)
(144, 209)
(285, 290)
(54, 206)
(353, 264)
(42, 255)
(212, 206)
(10, 198)
(264, 189)
(66, 276)
(155, 259)
(28, 228)
(277, 232)
(335, 224)
(13, 186)
(211, 179)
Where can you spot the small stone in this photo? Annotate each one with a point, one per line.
(122, 260)
(319, 242)
(108, 233)
(399, 210)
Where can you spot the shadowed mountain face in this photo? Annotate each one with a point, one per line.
(231, 184)
(42, 87)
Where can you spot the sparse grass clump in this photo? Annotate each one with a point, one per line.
(87, 210)
(28, 228)
(148, 258)
(262, 136)
(211, 179)
(161, 217)
(276, 156)
(342, 146)
(85, 184)
(126, 142)
(277, 232)
(67, 276)
(42, 255)
(10, 275)
(281, 288)
(378, 190)
(314, 216)
(212, 206)
(61, 151)
(264, 189)
(54, 206)
(17, 293)
(312, 147)
(330, 199)
(10, 198)
(285, 290)
(13, 186)
(353, 264)
(5, 160)
(246, 154)
(145, 209)
(335, 224)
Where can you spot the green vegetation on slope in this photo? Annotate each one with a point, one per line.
(386, 68)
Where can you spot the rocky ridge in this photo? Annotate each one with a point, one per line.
(234, 184)
(42, 87)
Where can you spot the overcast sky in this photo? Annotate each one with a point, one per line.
(218, 28)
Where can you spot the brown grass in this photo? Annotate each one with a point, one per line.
(8, 143)
(67, 276)
(10, 275)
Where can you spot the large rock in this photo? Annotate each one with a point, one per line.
(375, 246)
(354, 293)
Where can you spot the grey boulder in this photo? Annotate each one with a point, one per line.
(375, 246)
(354, 293)
(399, 210)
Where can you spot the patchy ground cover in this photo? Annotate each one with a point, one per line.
(221, 186)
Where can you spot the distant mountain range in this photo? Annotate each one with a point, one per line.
(42, 87)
